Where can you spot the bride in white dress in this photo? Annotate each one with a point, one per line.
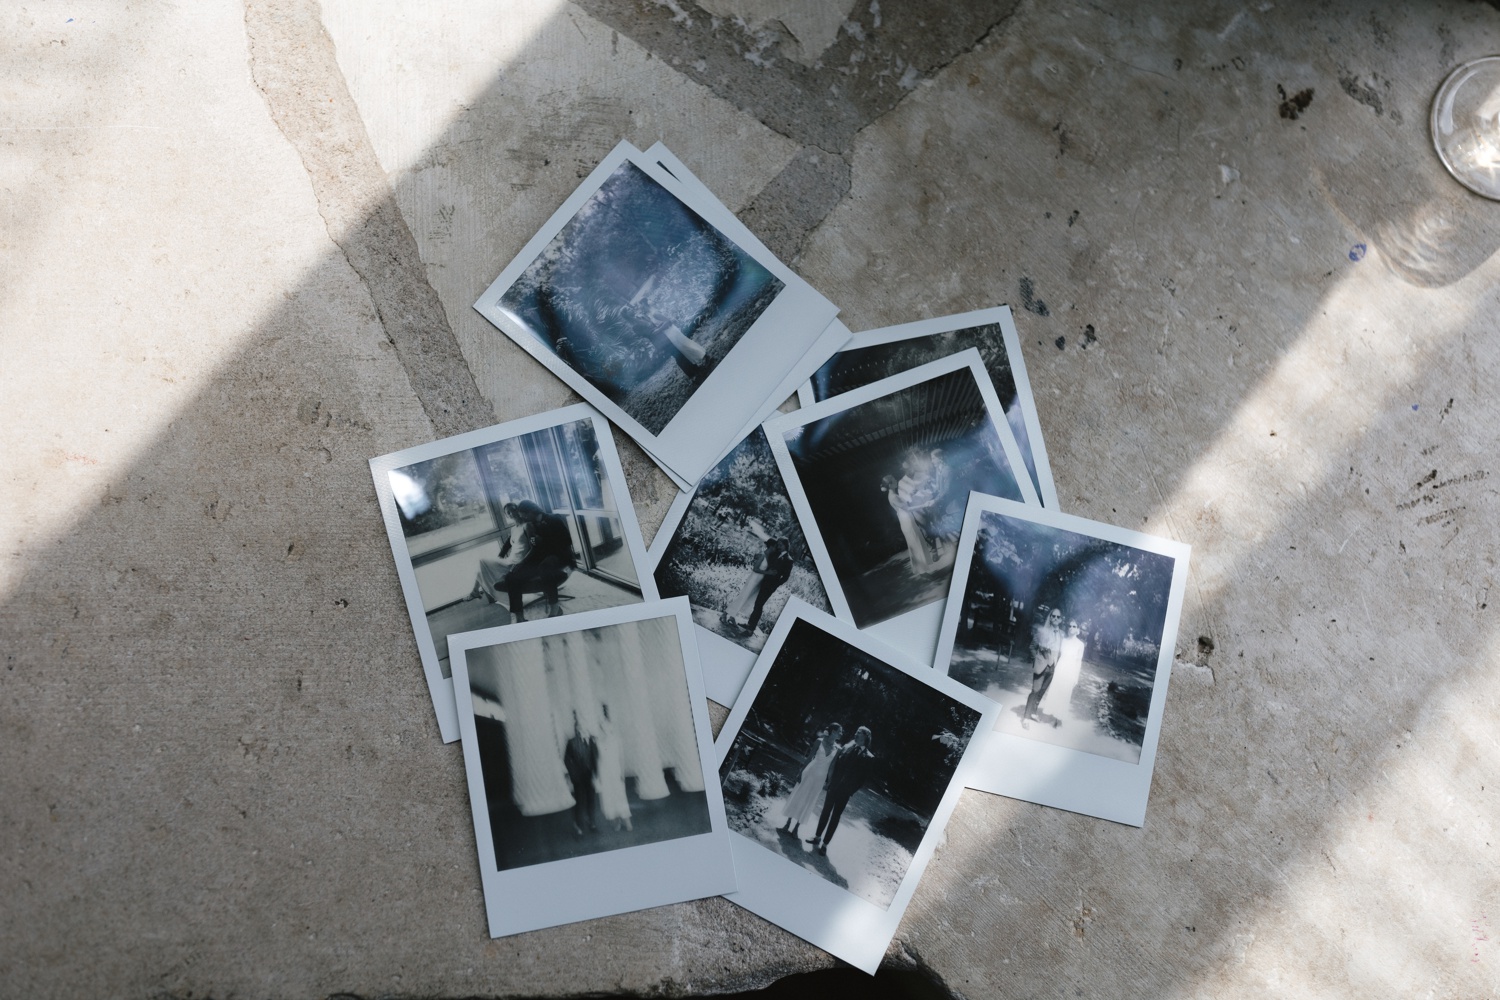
(807, 797)
(610, 781)
(1065, 677)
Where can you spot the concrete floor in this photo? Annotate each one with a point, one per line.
(238, 248)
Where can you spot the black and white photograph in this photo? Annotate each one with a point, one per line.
(877, 354)
(734, 549)
(879, 477)
(641, 302)
(586, 743)
(840, 764)
(525, 520)
(1068, 625)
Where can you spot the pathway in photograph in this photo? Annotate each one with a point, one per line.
(716, 622)
(860, 858)
(892, 589)
(531, 840)
(1104, 720)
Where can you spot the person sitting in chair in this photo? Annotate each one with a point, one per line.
(546, 565)
(492, 570)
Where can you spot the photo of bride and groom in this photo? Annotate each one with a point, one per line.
(586, 742)
(738, 554)
(1065, 631)
(885, 482)
(929, 514)
(841, 761)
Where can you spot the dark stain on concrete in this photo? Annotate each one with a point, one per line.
(1292, 106)
(852, 83)
(1374, 94)
(1029, 300)
(1089, 336)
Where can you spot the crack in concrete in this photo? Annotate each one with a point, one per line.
(880, 55)
(293, 64)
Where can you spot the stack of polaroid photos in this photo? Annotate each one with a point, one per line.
(879, 585)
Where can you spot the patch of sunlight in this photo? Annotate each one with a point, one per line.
(1403, 898)
(144, 259)
(462, 103)
(1370, 337)
(412, 69)
(1423, 831)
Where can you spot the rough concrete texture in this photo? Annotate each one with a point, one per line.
(238, 250)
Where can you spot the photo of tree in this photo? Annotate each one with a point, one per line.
(641, 296)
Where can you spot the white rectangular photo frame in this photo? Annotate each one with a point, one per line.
(875, 354)
(863, 748)
(1070, 625)
(560, 715)
(636, 297)
(734, 548)
(879, 477)
(458, 544)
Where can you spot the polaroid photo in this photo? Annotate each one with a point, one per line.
(1070, 626)
(527, 519)
(734, 549)
(642, 304)
(879, 477)
(590, 766)
(841, 764)
(877, 354)
(834, 337)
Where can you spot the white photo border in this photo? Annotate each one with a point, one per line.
(913, 632)
(725, 403)
(440, 688)
(1000, 316)
(609, 882)
(1044, 773)
(800, 901)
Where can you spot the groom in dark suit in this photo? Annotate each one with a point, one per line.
(581, 758)
(851, 769)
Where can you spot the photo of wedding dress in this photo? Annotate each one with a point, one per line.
(743, 604)
(1059, 697)
(807, 797)
(919, 498)
(614, 804)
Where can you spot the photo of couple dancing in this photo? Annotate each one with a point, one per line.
(886, 482)
(1065, 631)
(929, 513)
(830, 776)
(738, 553)
(837, 802)
(586, 742)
